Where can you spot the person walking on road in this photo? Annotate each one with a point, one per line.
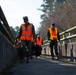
(53, 37)
(27, 30)
(38, 45)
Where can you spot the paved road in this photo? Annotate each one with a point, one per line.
(44, 66)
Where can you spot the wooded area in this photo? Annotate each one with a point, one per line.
(61, 12)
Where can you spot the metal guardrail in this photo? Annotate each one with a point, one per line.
(68, 30)
(69, 33)
(8, 52)
(4, 27)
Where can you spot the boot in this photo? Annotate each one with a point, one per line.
(57, 57)
(27, 60)
(52, 57)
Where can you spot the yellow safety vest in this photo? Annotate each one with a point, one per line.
(53, 33)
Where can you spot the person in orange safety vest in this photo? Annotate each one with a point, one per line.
(27, 30)
(53, 36)
(38, 45)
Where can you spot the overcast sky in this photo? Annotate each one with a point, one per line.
(14, 10)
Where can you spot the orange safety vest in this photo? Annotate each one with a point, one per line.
(53, 34)
(39, 41)
(26, 32)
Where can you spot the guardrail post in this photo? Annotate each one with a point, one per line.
(72, 53)
(66, 49)
(60, 52)
(70, 34)
(63, 37)
(70, 40)
(44, 51)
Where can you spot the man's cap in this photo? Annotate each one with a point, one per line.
(25, 18)
(53, 24)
